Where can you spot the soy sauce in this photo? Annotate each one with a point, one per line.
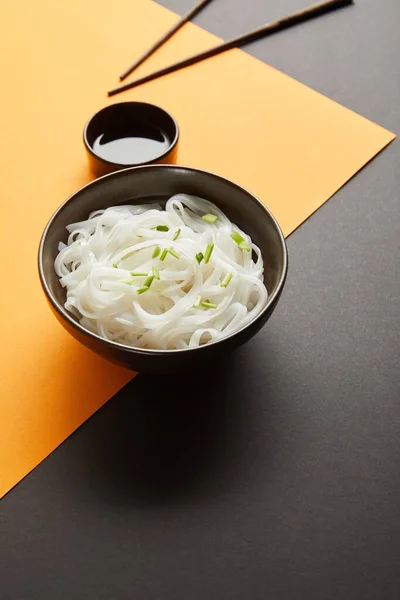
(139, 144)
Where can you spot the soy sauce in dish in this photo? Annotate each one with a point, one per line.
(139, 143)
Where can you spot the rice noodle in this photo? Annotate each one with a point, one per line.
(108, 258)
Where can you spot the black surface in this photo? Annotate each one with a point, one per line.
(281, 479)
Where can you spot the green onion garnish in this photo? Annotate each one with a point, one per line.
(161, 228)
(208, 252)
(197, 303)
(139, 274)
(199, 257)
(164, 254)
(115, 266)
(207, 304)
(209, 218)
(177, 234)
(148, 281)
(142, 290)
(174, 253)
(240, 241)
(226, 280)
(129, 254)
(156, 273)
(237, 238)
(156, 252)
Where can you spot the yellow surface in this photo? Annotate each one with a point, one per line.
(238, 117)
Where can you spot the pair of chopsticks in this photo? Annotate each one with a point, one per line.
(300, 16)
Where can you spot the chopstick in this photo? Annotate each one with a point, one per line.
(270, 28)
(167, 35)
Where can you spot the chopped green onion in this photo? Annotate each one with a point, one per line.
(161, 228)
(199, 257)
(177, 234)
(139, 236)
(164, 254)
(197, 303)
(156, 252)
(174, 253)
(139, 274)
(129, 254)
(115, 266)
(240, 241)
(226, 280)
(142, 290)
(208, 252)
(148, 281)
(209, 218)
(237, 238)
(156, 273)
(206, 304)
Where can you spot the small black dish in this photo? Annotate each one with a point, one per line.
(130, 134)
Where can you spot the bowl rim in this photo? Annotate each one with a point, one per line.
(124, 166)
(153, 351)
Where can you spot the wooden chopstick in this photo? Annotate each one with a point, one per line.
(270, 28)
(167, 35)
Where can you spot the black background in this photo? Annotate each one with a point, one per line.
(277, 476)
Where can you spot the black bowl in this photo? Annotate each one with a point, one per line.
(156, 183)
(130, 121)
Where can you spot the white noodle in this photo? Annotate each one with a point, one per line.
(187, 306)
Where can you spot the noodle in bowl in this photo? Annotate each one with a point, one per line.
(161, 279)
(143, 272)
